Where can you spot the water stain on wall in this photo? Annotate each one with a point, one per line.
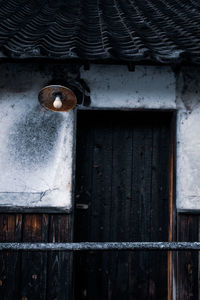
(33, 139)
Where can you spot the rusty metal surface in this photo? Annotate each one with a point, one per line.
(48, 94)
(119, 246)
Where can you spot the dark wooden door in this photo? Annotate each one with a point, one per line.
(122, 194)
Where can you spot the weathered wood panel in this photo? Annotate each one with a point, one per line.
(35, 275)
(160, 204)
(33, 268)
(123, 183)
(10, 231)
(188, 262)
(60, 264)
(11, 283)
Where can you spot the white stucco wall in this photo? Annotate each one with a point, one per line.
(146, 87)
(36, 145)
(188, 139)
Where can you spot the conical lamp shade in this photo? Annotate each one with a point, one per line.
(57, 98)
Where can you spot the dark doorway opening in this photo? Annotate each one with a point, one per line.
(122, 194)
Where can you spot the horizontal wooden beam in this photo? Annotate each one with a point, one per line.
(88, 246)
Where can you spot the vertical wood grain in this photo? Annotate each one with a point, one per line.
(10, 231)
(33, 269)
(122, 179)
(172, 234)
(160, 219)
(140, 217)
(60, 263)
(35, 275)
(187, 265)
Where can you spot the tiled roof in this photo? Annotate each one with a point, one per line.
(128, 30)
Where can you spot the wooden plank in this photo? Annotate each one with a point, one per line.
(118, 206)
(83, 195)
(84, 162)
(172, 234)
(187, 269)
(60, 263)
(33, 269)
(10, 231)
(101, 197)
(140, 206)
(158, 288)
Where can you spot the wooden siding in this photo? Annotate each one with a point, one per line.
(35, 275)
(54, 276)
(188, 284)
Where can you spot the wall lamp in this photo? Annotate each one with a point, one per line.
(57, 98)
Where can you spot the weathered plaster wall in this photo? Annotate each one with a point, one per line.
(36, 145)
(146, 87)
(188, 139)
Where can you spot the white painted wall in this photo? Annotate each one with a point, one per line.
(188, 139)
(115, 86)
(36, 145)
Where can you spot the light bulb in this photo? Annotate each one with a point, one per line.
(57, 102)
